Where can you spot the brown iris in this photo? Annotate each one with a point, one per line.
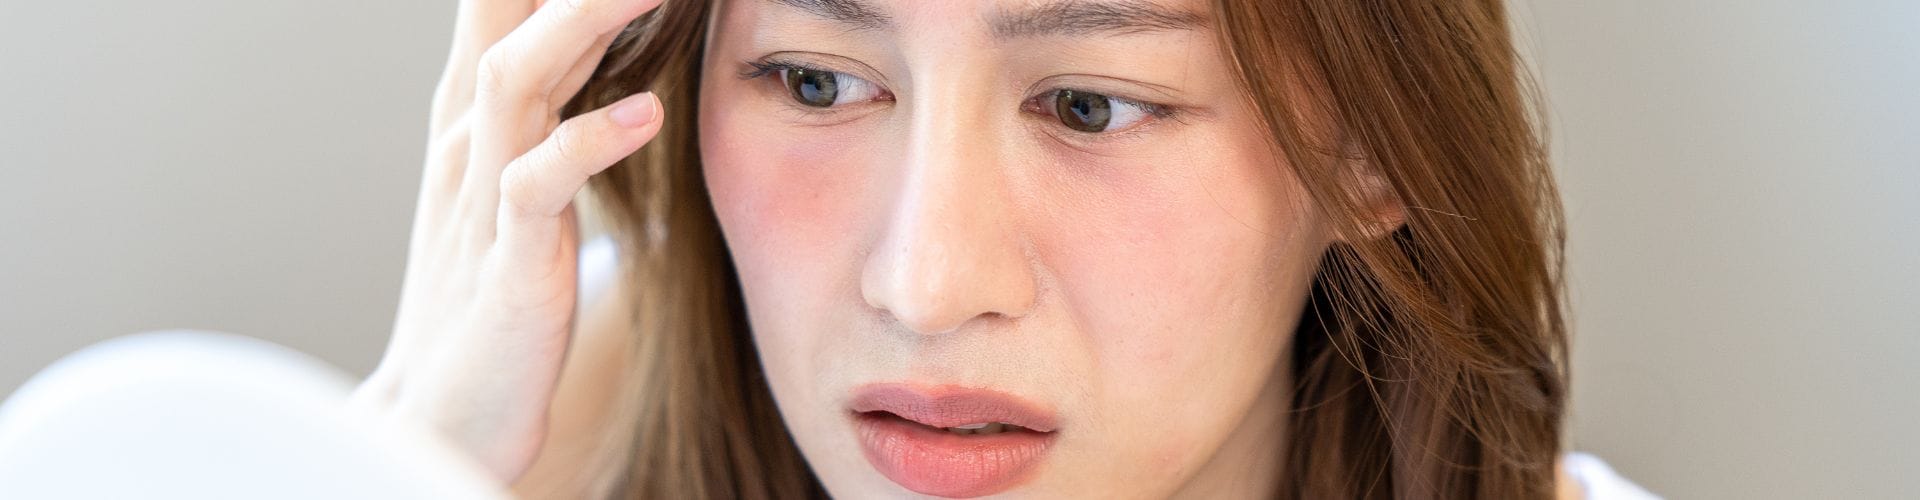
(812, 87)
(1083, 111)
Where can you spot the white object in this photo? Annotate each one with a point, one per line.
(213, 416)
(1599, 481)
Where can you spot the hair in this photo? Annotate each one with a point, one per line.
(1429, 362)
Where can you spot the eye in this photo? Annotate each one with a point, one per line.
(1095, 113)
(824, 89)
(812, 88)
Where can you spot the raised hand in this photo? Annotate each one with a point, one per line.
(488, 304)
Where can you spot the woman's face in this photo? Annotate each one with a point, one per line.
(1058, 215)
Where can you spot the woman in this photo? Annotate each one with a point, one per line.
(1046, 249)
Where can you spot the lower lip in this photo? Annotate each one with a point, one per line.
(935, 462)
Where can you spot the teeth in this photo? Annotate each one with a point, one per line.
(982, 428)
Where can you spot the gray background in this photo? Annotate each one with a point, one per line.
(1741, 178)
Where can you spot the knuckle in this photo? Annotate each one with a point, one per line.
(569, 140)
(453, 143)
(494, 73)
(580, 8)
(519, 189)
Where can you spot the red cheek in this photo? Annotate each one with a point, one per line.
(786, 189)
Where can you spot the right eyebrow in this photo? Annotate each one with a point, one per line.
(850, 12)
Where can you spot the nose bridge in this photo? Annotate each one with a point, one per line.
(951, 250)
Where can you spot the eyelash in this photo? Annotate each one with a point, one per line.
(764, 68)
(779, 67)
(1039, 104)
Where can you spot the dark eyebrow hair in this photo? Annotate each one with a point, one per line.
(1056, 18)
(1076, 17)
(852, 12)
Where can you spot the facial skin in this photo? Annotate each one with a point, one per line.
(941, 227)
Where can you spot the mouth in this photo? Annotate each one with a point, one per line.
(950, 441)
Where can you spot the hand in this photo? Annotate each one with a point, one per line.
(487, 307)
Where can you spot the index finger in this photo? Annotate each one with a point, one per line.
(525, 66)
(477, 25)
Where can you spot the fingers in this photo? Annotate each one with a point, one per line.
(581, 71)
(530, 62)
(478, 24)
(517, 77)
(537, 188)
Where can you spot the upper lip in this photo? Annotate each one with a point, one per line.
(951, 406)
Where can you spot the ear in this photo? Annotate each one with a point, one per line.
(1377, 208)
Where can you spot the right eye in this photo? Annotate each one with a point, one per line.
(824, 89)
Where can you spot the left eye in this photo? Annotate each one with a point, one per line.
(1093, 113)
(823, 89)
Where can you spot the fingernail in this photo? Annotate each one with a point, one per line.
(635, 111)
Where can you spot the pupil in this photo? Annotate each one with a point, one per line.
(813, 88)
(1083, 111)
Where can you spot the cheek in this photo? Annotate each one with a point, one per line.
(773, 190)
(1178, 287)
(790, 205)
(790, 199)
(1176, 253)
(1185, 275)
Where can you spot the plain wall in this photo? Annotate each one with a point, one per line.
(1740, 178)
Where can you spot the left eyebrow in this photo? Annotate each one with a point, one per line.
(1049, 18)
(1077, 18)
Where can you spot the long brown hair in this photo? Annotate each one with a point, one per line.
(1431, 362)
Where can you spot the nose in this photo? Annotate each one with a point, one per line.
(951, 252)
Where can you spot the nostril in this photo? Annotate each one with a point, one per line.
(917, 305)
(924, 323)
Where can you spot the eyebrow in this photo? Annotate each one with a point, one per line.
(1078, 18)
(1056, 18)
(851, 12)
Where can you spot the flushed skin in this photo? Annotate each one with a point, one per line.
(1140, 283)
(1246, 248)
